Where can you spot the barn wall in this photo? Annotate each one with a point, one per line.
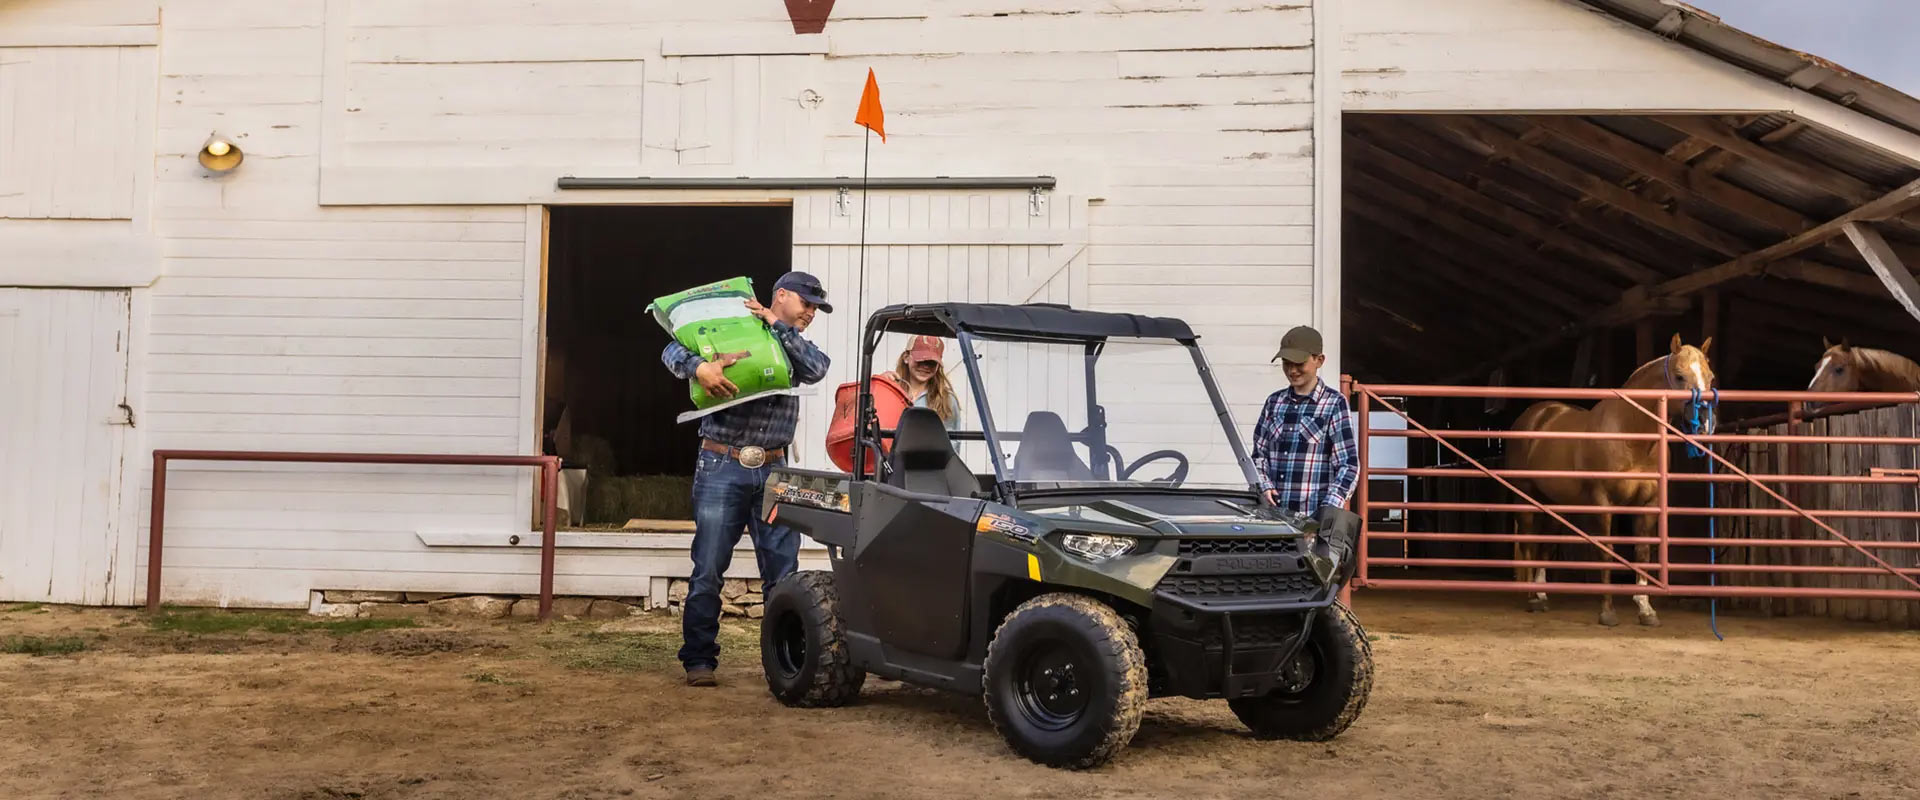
(367, 280)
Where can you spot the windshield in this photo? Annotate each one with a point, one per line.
(1125, 413)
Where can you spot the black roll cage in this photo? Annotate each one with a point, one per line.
(968, 322)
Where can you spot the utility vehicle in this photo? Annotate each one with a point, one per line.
(1062, 582)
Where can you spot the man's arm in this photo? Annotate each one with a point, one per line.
(1263, 446)
(679, 360)
(809, 362)
(1345, 445)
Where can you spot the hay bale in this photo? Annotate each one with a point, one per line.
(612, 500)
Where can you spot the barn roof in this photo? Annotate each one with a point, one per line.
(1479, 241)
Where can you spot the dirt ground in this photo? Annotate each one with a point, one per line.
(1472, 698)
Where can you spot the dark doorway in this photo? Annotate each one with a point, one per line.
(608, 402)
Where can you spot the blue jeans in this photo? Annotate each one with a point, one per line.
(726, 502)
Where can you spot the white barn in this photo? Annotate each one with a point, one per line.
(382, 272)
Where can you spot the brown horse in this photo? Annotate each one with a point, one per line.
(1686, 367)
(1845, 368)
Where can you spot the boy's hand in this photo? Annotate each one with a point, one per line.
(1273, 497)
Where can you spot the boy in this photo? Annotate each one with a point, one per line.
(1304, 446)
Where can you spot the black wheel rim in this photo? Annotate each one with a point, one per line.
(1299, 673)
(789, 644)
(1052, 687)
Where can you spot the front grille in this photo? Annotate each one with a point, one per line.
(1221, 547)
(1223, 586)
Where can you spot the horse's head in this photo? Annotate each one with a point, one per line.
(1689, 369)
(1839, 370)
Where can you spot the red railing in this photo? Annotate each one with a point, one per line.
(549, 491)
(1662, 567)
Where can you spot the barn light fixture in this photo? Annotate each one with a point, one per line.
(220, 154)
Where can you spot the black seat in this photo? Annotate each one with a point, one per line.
(1046, 452)
(923, 458)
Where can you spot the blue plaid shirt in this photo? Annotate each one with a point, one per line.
(1305, 447)
(770, 421)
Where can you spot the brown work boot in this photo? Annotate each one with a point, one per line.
(701, 676)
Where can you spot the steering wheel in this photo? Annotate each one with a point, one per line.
(1179, 475)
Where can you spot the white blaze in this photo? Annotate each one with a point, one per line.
(1818, 371)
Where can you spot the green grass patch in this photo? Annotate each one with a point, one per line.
(646, 651)
(42, 645)
(209, 621)
(22, 607)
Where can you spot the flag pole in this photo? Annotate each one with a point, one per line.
(860, 298)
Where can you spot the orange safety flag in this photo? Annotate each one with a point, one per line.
(870, 114)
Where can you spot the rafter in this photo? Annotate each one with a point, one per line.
(1506, 145)
(1525, 224)
(1827, 179)
(1416, 219)
(1389, 245)
(1672, 170)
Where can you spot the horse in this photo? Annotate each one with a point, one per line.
(1845, 368)
(1685, 367)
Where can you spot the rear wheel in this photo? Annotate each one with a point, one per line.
(1323, 688)
(1066, 681)
(803, 644)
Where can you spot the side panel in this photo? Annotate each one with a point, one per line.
(913, 563)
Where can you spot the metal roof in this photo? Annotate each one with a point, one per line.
(1705, 32)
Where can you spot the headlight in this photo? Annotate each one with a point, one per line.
(1096, 546)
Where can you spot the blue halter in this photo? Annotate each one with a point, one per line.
(1694, 407)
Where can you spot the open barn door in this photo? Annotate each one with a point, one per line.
(1002, 246)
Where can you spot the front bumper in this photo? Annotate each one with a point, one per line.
(1215, 645)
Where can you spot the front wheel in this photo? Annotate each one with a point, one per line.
(1066, 681)
(1323, 688)
(803, 644)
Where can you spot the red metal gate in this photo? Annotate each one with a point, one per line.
(1379, 571)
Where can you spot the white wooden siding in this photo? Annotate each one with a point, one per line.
(397, 317)
(73, 131)
(63, 368)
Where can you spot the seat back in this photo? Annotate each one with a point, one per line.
(1046, 452)
(923, 458)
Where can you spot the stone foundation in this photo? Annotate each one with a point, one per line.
(739, 597)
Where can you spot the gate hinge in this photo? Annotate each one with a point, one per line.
(841, 205)
(1036, 202)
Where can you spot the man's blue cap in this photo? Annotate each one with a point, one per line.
(807, 286)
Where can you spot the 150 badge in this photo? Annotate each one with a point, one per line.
(1005, 526)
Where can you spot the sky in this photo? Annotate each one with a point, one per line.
(1875, 38)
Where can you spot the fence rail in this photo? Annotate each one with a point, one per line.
(1831, 532)
(549, 491)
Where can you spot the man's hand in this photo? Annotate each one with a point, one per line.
(765, 314)
(1273, 497)
(715, 381)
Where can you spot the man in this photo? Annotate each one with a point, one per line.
(738, 447)
(1304, 446)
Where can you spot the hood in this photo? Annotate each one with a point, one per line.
(1214, 518)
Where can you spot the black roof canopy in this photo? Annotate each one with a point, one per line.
(1034, 322)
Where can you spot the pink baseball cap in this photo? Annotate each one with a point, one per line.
(926, 348)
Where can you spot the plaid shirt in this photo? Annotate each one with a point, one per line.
(770, 421)
(1305, 446)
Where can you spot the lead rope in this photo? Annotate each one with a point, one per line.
(1713, 603)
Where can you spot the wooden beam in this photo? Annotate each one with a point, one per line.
(1418, 219)
(1502, 179)
(1545, 302)
(1827, 179)
(1516, 309)
(1670, 169)
(1845, 280)
(1519, 221)
(1601, 190)
(1887, 205)
(1900, 282)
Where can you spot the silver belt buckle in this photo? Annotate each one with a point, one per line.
(753, 457)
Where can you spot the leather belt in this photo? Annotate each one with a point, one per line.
(751, 457)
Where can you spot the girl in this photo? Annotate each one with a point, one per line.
(923, 377)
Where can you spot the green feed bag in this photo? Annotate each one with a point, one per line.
(712, 320)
